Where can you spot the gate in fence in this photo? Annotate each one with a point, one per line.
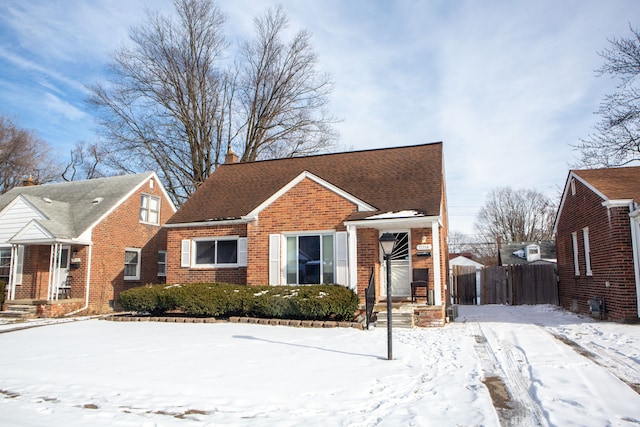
(520, 284)
(464, 286)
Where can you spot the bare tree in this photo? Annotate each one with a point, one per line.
(516, 216)
(86, 162)
(616, 140)
(281, 93)
(164, 107)
(22, 155)
(482, 250)
(174, 103)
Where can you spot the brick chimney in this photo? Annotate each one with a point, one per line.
(29, 182)
(231, 157)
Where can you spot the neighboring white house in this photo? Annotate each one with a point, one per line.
(461, 260)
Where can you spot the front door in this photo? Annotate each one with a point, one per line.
(62, 270)
(400, 268)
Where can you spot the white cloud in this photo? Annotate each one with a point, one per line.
(56, 105)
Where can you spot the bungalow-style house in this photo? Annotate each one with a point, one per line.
(540, 252)
(317, 219)
(74, 246)
(598, 243)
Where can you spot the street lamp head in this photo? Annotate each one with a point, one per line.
(387, 241)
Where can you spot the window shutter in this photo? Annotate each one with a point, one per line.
(274, 259)
(342, 267)
(185, 256)
(242, 252)
(19, 266)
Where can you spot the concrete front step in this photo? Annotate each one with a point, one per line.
(399, 319)
(19, 311)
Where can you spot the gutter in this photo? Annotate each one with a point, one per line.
(86, 302)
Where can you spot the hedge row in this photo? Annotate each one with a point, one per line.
(309, 302)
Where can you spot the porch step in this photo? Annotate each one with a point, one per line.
(19, 311)
(399, 319)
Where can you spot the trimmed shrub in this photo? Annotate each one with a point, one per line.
(308, 302)
(154, 299)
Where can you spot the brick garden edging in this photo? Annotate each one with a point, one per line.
(237, 319)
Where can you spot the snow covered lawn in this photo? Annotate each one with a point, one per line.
(557, 368)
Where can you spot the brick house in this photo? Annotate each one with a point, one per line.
(598, 242)
(317, 219)
(75, 246)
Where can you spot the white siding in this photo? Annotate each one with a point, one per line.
(15, 217)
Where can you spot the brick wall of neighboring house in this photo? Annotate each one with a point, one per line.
(368, 255)
(119, 230)
(178, 274)
(611, 255)
(308, 206)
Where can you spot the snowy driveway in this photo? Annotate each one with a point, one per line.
(543, 366)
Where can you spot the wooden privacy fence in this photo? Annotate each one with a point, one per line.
(520, 284)
(464, 287)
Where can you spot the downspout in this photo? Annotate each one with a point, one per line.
(437, 281)
(635, 241)
(86, 301)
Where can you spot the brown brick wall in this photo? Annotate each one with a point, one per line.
(308, 206)
(120, 230)
(611, 255)
(177, 274)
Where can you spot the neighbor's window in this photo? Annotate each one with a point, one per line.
(587, 251)
(5, 263)
(132, 264)
(310, 259)
(162, 263)
(149, 209)
(574, 241)
(214, 252)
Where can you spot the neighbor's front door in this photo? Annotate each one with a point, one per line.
(400, 268)
(63, 267)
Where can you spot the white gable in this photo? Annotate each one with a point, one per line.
(464, 261)
(32, 232)
(15, 216)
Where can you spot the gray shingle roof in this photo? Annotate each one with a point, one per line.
(73, 207)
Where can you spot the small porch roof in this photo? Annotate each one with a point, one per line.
(386, 220)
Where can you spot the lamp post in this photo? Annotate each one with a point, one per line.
(387, 241)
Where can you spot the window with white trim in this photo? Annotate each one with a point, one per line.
(132, 264)
(149, 209)
(576, 265)
(5, 264)
(310, 259)
(587, 251)
(215, 252)
(162, 263)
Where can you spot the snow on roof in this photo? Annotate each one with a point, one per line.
(399, 214)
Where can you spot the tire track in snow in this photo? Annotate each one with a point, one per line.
(619, 365)
(502, 360)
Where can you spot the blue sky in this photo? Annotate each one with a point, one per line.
(506, 85)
